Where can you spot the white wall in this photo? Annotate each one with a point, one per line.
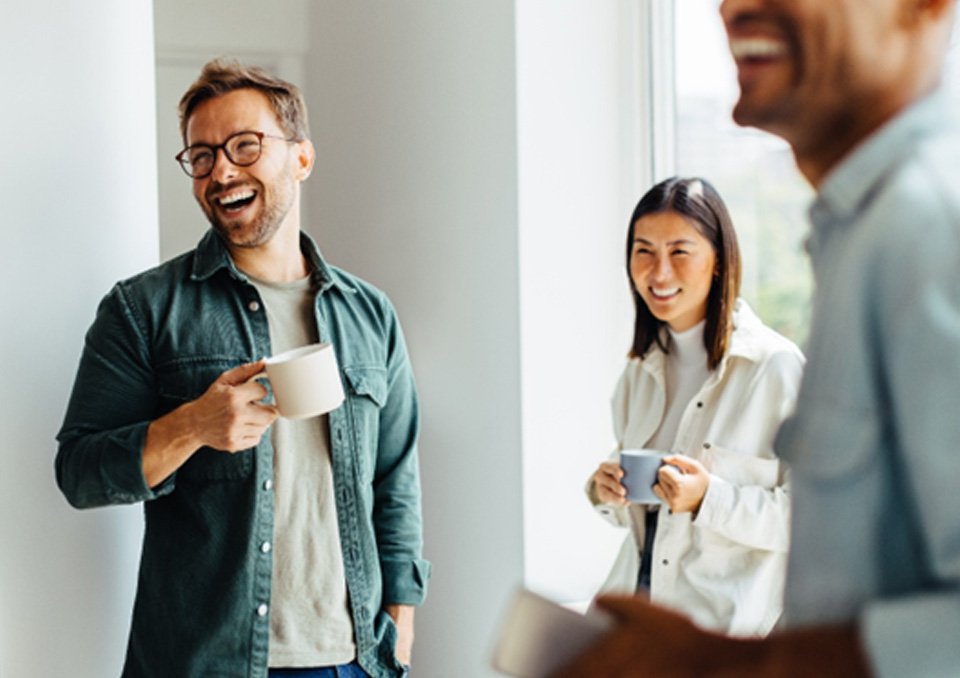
(476, 160)
(413, 108)
(78, 190)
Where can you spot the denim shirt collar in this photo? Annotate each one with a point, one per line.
(212, 255)
(850, 184)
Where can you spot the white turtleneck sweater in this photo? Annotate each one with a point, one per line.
(685, 373)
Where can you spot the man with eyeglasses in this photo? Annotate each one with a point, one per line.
(271, 547)
(873, 582)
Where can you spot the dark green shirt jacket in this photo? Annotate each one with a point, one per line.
(203, 595)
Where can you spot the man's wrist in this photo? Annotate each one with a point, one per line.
(170, 441)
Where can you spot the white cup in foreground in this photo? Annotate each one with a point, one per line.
(305, 381)
(640, 474)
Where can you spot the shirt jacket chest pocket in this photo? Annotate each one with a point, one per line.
(184, 380)
(366, 391)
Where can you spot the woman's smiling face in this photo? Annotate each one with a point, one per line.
(672, 267)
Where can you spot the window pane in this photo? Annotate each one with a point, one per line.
(953, 62)
(753, 171)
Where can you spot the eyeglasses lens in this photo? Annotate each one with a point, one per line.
(241, 149)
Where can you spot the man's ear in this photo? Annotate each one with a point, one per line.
(306, 156)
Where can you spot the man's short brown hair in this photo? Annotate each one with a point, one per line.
(222, 76)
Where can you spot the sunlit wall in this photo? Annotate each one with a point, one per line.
(78, 198)
(579, 177)
(414, 118)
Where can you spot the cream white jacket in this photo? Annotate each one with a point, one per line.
(725, 568)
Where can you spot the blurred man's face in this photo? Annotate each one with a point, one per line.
(815, 70)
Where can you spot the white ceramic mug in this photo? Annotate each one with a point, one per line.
(305, 381)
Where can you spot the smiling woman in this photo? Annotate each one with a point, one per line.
(672, 267)
(706, 387)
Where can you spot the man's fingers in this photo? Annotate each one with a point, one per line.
(612, 655)
(638, 611)
(248, 433)
(267, 413)
(258, 414)
(621, 607)
(241, 373)
(251, 391)
(618, 652)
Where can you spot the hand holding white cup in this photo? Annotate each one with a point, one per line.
(305, 381)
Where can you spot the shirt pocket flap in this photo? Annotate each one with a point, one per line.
(741, 469)
(369, 381)
(186, 380)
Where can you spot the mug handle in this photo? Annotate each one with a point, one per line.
(269, 398)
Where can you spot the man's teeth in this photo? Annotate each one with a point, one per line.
(757, 48)
(232, 198)
(664, 292)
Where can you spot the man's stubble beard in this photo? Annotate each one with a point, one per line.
(264, 226)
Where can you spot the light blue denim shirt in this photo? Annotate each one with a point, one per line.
(875, 441)
(203, 597)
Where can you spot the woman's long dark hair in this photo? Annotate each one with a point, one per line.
(699, 203)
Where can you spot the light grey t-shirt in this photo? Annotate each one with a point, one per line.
(310, 621)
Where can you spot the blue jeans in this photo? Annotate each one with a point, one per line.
(351, 670)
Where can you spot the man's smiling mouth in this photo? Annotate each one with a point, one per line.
(757, 49)
(235, 201)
